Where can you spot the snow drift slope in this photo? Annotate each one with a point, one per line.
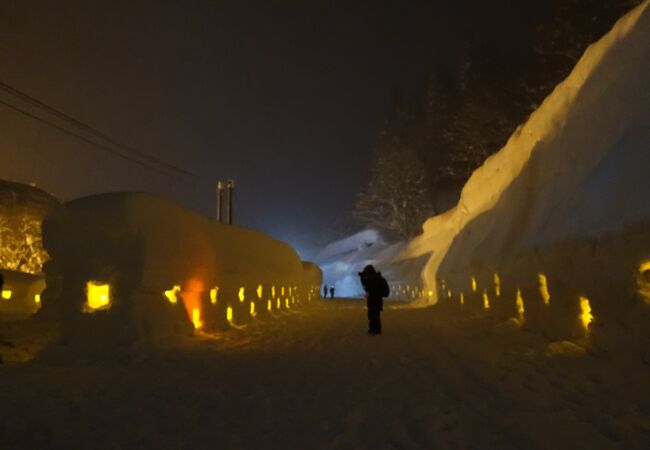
(577, 168)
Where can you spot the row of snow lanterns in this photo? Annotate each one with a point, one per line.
(585, 317)
(408, 291)
(98, 298)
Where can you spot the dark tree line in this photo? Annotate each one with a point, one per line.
(432, 142)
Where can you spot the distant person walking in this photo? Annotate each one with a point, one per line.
(325, 291)
(332, 292)
(376, 288)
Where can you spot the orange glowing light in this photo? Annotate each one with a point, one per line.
(497, 285)
(462, 298)
(273, 291)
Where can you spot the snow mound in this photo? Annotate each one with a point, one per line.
(159, 271)
(553, 227)
(342, 260)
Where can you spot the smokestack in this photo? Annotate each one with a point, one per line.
(219, 200)
(230, 186)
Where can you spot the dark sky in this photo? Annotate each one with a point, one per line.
(285, 97)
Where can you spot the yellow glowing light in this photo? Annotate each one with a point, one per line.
(486, 300)
(37, 298)
(474, 284)
(229, 314)
(644, 267)
(241, 294)
(497, 285)
(98, 296)
(172, 294)
(282, 291)
(6, 294)
(259, 291)
(449, 293)
(543, 288)
(214, 295)
(269, 305)
(273, 291)
(520, 306)
(585, 313)
(279, 304)
(430, 293)
(196, 318)
(286, 302)
(252, 310)
(462, 298)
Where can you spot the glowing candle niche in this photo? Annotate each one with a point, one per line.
(474, 286)
(6, 294)
(97, 295)
(462, 298)
(241, 294)
(497, 285)
(252, 309)
(430, 294)
(272, 291)
(259, 291)
(214, 295)
(543, 288)
(486, 300)
(279, 305)
(229, 314)
(520, 306)
(585, 313)
(269, 305)
(37, 298)
(449, 293)
(286, 303)
(172, 294)
(196, 318)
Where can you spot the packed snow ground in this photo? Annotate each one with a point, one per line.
(436, 378)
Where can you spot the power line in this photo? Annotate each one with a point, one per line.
(151, 160)
(83, 138)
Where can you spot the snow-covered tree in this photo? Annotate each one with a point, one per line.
(396, 199)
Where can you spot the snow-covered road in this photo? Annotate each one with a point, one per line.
(315, 379)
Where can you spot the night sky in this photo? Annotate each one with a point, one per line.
(285, 97)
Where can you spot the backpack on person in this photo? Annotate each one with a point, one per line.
(384, 289)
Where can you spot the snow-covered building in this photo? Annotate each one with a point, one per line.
(135, 268)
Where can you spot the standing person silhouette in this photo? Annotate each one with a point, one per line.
(332, 292)
(376, 288)
(325, 290)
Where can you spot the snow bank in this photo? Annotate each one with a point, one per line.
(164, 270)
(562, 209)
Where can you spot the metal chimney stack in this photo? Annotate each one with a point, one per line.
(230, 186)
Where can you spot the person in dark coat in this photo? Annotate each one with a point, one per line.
(325, 291)
(332, 292)
(376, 289)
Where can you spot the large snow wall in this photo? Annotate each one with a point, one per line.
(168, 270)
(561, 213)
